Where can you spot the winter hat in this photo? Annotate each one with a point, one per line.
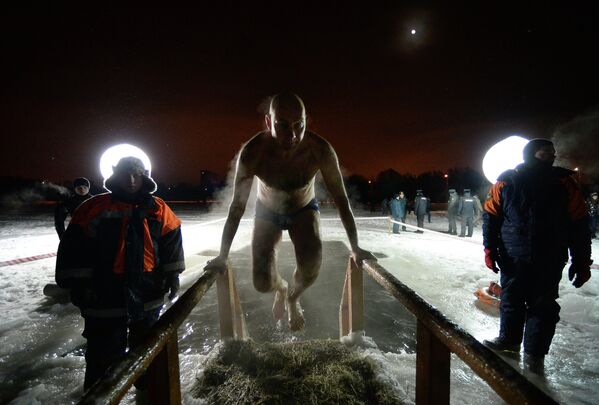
(594, 194)
(528, 153)
(452, 191)
(127, 165)
(81, 181)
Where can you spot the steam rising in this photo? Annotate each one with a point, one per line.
(576, 143)
(38, 192)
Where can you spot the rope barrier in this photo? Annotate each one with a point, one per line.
(27, 259)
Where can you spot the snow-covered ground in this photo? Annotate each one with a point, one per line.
(35, 332)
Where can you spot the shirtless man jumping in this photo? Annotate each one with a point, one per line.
(286, 158)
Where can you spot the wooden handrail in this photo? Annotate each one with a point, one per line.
(435, 328)
(160, 344)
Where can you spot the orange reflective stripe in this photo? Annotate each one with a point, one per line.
(577, 208)
(102, 206)
(149, 260)
(167, 216)
(493, 201)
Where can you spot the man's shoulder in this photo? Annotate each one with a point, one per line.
(97, 199)
(91, 207)
(317, 140)
(251, 148)
(257, 139)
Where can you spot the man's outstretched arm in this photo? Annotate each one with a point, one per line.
(331, 173)
(241, 193)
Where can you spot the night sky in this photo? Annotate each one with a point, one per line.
(187, 85)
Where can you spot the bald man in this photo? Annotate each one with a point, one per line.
(286, 158)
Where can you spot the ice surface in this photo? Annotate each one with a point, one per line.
(35, 332)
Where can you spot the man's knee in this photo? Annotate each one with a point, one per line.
(264, 281)
(307, 276)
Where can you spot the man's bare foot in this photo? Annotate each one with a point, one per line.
(280, 305)
(296, 315)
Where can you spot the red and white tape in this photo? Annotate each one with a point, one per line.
(26, 259)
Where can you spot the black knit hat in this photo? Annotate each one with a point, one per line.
(128, 165)
(81, 181)
(528, 153)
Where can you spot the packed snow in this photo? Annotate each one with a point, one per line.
(36, 332)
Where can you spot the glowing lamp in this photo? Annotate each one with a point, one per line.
(115, 153)
(502, 156)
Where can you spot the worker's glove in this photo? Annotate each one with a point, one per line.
(580, 272)
(491, 259)
(172, 285)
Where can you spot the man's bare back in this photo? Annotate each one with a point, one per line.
(286, 159)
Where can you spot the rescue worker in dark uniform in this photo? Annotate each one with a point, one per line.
(403, 212)
(121, 253)
(398, 210)
(593, 208)
(533, 216)
(453, 204)
(421, 207)
(467, 209)
(68, 206)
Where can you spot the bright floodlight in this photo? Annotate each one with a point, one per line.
(115, 153)
(413, 32)
(502, 156)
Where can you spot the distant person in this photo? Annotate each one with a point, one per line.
(428, 209)
(121, 253)
(398, 210)
(385, 206)
(593, 208)
(533, 216)
(403, 212)
(421, 207)
(286, 158)
(468, 210)
(68, 206)
(453, 204)
(479, 210)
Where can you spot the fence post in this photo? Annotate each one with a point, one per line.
(232, 321)
(432, 368)
(351, 311)
(164, 384)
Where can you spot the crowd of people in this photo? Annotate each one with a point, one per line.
(122, 252)
(467, 208)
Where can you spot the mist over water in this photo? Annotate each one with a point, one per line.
(40, 191)
(577, 145)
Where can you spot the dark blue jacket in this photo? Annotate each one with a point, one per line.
(537, 213)
(421, 205)
(398, 207)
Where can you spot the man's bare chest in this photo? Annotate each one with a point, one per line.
(287, 173)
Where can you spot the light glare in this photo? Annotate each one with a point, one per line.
(504, 155)
(115, 153)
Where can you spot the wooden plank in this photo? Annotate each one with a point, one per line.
(163, 375)
(240, 328)
(432, 368)
(344, 320)
(225, 308)
(356, 297)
